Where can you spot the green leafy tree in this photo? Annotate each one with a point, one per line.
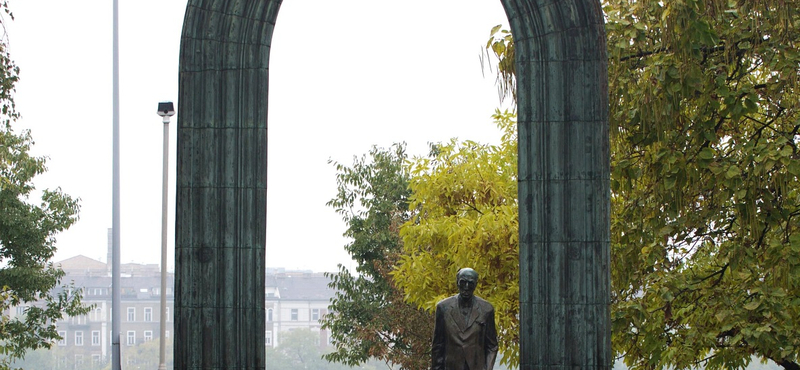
(464, 198)
(705, 191)
(27, 241)
(706, 259)
(369, 317)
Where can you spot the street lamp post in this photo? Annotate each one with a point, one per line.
(165, 110)
(116, 293)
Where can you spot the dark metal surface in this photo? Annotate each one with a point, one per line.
(222, 184)
(563, 183)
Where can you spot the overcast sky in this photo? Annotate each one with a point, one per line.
(344, 75)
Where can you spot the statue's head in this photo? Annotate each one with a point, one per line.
(467, 280)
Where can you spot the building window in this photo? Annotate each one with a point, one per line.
(79, 338)
(97, 314)
(268, 338)
(148, 314)
(294, 314)
(269, 314)
(131, 313)
(78, 360)
(63, 340)
(166, 333)
(148, 335)
(95, 337)
(315, 314)
(96, 359)
(167, 314)
(131, 337)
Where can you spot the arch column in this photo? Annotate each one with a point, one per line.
(220, 222)
(564, 186)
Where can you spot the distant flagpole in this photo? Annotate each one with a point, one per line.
(115, 264)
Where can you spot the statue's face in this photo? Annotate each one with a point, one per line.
(466, 285)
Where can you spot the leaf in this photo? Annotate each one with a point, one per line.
(669, 182)
(732, 172)
(498, 48)
(706, 153)
(752, 305)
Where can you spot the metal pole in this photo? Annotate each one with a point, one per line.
(162, 338)
(115, 218)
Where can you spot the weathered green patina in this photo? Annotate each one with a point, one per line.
(563, 178)
(564, 188)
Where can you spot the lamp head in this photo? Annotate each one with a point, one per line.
(166, 109)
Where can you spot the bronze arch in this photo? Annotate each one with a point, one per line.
(563, 183)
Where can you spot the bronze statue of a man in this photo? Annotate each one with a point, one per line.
(464, 335)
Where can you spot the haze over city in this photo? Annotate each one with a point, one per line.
(343, 77)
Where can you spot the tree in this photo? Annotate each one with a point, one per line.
(369, 318)
(705, 166)
(300, 349)
(464, 199)
(41, 358)
(27, 240)
(59, 358)
(705, 188)
(145, 355)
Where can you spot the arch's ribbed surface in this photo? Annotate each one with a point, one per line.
(220, 221)
(563, 183)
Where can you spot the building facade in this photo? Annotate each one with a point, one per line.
(86, 340)
(294, 300)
